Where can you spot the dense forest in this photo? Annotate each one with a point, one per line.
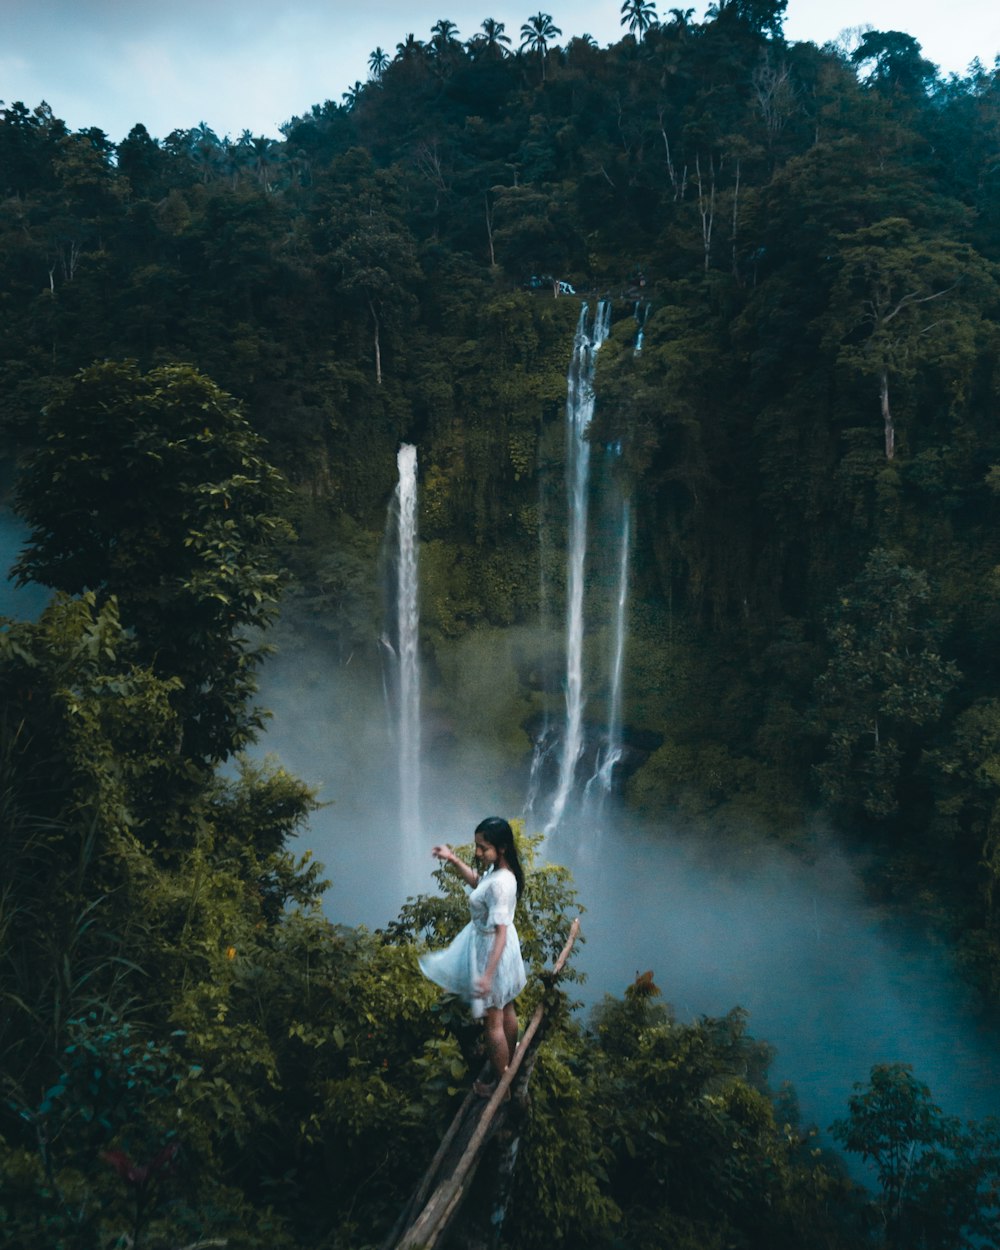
(210, 351)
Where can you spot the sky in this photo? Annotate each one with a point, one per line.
(254, 64)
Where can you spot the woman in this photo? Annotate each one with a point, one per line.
(483, 965)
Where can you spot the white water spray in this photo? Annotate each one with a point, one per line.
(612, 752)
(408, 633)
(579, 411)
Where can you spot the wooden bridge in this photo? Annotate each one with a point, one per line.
(431, 1211)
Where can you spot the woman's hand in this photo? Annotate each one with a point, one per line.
(484, 984)
(446, 855)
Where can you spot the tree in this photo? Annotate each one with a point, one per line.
(352, 95)
(940, 1180)
(143, 162)
(639, 16)
(410, 49)
(680, 19)
(378, 63)
(444, 37)
(492, 43)
(885, 683)
(374, 263)
(262, 156)
(153, 490)
(893, 304)
(759, 16)
(895, 65)
(537, 33)
(204, 149)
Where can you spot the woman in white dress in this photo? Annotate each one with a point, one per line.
(483, 964)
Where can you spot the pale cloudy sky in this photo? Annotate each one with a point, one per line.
(253, 64)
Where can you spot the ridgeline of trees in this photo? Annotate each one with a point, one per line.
(206, 343)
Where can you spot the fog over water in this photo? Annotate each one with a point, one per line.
(831, 984)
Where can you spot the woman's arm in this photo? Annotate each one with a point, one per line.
(448, 856)
(499, 942)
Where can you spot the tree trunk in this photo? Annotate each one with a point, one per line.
(679, 185)
(706, 207)
(489, 229)
(736, 221)
(378, 348)
(890, 429)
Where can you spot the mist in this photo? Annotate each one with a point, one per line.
(833, 985)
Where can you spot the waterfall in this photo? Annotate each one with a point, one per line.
(579, 410)
(612, 752)
(407, 644)
(641, 312)
(545, 738)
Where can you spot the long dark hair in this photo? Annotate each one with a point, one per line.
(498, 833)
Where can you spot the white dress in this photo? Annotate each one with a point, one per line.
(459, 966)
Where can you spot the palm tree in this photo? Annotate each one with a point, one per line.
(352, 95)
(264, 157)
(409, 49)
(230, 162)
(378, 63)
(536, 34)
(445, 48)
(639, 16)
(257, 155)
(205, 150)
(443, 35)
(490, 42)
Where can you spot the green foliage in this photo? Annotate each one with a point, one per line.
(885, 683)
(152, 490)
(940, 1180)
(561, 1186)
(481, 682)
(666, 1131)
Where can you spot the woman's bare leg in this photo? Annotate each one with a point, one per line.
(510, 1028)
(497, 1047)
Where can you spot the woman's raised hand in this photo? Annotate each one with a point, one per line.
(443, 852)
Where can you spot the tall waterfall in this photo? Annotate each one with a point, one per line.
(611, 753)
(408, 653)
(579, 411)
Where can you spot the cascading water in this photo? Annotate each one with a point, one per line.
(579, 411)
(544, 736)
(611, 753)
(408, 652)
(640, 313)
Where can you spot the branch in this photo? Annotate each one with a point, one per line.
(425, 1231)
(913, 298)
